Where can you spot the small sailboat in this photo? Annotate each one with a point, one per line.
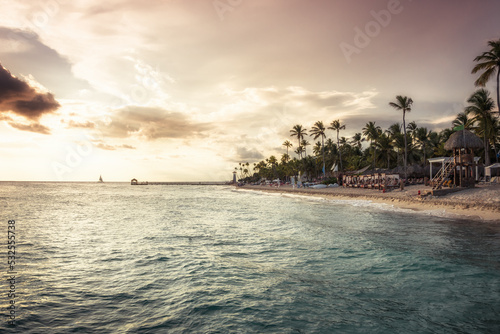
(100, 179)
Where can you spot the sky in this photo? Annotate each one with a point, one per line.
(171, 90)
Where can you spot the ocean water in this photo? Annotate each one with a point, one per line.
(115, 258)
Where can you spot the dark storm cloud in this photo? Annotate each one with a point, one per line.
(18, 97)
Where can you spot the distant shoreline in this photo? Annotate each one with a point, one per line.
(482, 202)
(208, 183)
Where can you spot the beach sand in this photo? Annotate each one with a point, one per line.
(481, 202)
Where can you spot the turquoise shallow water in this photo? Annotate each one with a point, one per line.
(112, 258)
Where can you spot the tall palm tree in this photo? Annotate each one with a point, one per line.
(372, 132)
(318, 130)
(489, 63)
(299, 132)
(404, 104)
(480, 107)
(304, 143)
(287, 144)
(336, 126)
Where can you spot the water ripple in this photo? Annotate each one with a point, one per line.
(111, 258)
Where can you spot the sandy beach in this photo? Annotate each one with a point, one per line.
(481, 202)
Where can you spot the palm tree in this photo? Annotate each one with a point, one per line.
(394, 132)
(372, 132)
(287, 144)
(318, 149)
(299, 151)
(394, 129)
(404, 104)
(422, 137)
(495, 131)
(384, 143)
(304, 143)
(299, 132)
(336, 126)
(357, 139)
(480, 107)
(464, 120)
(492, 132)
(412, 127)
(272, 160)
(318, 130)
(489, 62)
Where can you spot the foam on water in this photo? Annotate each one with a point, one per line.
(364, 203)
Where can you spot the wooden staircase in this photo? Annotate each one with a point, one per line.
(438, 180)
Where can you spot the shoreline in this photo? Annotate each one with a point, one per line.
(481, 202)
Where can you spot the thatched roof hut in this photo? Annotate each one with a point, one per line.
(416, 170)
(463, 139)
(398, 170)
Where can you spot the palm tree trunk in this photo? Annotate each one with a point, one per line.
(388, 160)
(373, 149)
(486, 153)
(406, 152)
(425, 160)
(340, 153)
(495, 149)
(498, 89)
(323, 149)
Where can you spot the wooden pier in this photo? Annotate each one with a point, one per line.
(134, 182)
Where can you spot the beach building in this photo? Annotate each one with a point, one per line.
(461, 169)
(492, 171)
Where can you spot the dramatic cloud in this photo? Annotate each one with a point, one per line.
(108, 147)
(83, 125)
(152, 123)
(34, 127)
(18, 97)
(5, 118)
(243, 154)
(24, 52)
(264, 113)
